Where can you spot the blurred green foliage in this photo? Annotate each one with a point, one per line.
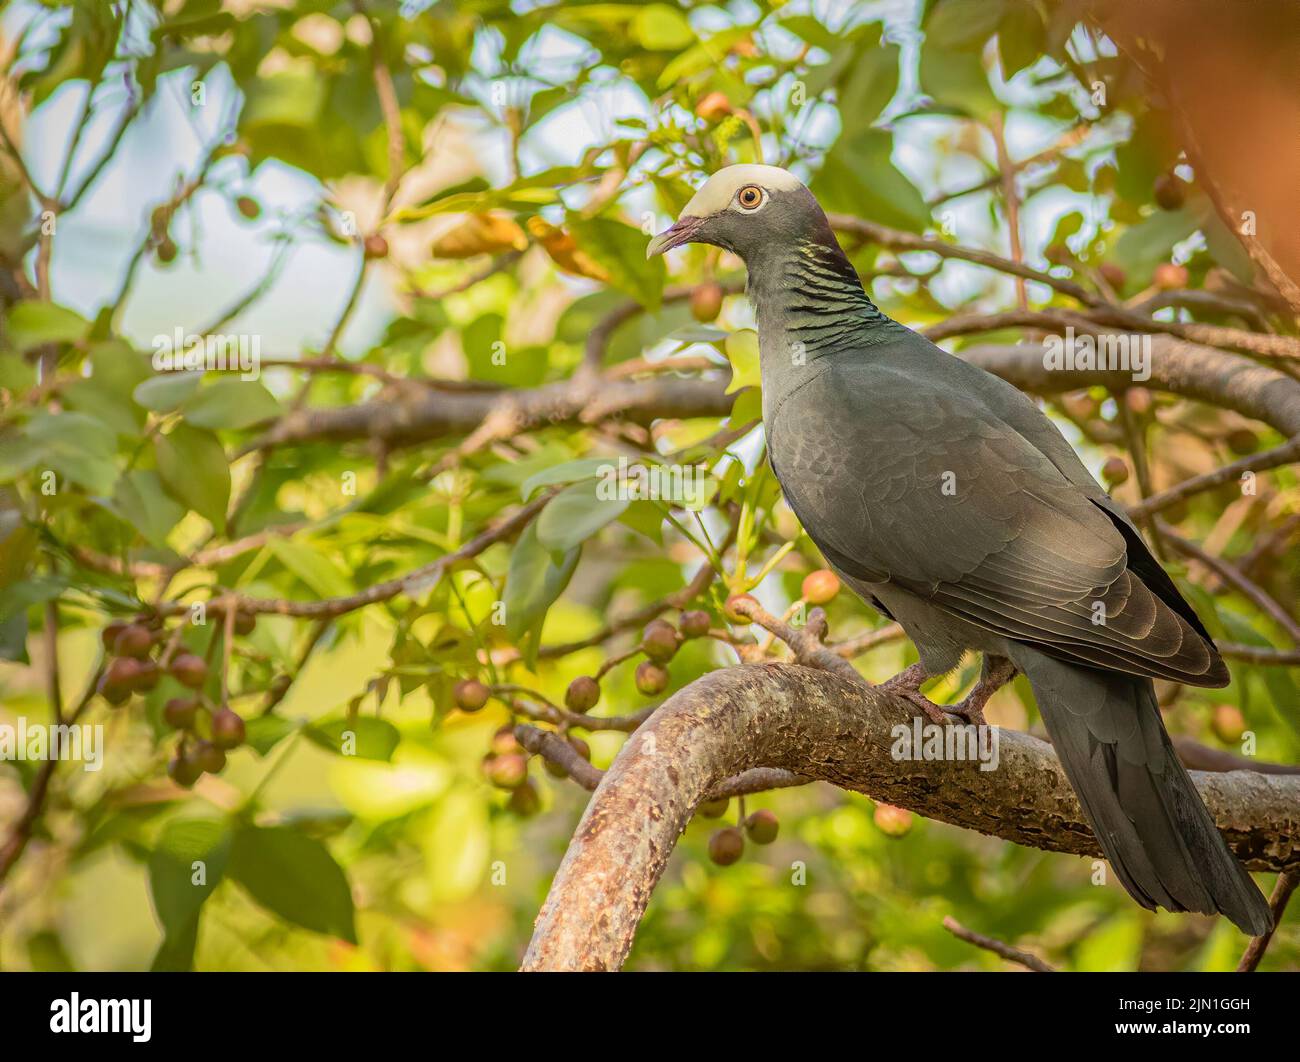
(354, 829)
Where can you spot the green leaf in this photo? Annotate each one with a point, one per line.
(577, 513)
(567, 472)
(363, 736)
(533, 582)
(1148, 243)
(230, 403)
(141, 500)
(1021, 38)
(957, 80)
(958, 24)
(264, 732)
(167, 391)
(742, 351)
(312, 566)
(186, 865)
(871, 83)
(620, 250)
(193, 467)
(32, 324)
(661, 28)
(859, 177)
(77, 446)
(295, 877)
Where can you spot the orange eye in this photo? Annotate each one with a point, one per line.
(750, 196)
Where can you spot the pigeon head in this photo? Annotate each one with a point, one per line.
(746, 209)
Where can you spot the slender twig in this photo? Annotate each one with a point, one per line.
(1005, 951)
(1286, 885)
(1258, 462)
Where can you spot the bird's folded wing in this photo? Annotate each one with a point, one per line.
(950, 503)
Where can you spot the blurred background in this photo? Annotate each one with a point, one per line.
(451, 199)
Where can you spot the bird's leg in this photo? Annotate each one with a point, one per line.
(907, 685)
(996, 673)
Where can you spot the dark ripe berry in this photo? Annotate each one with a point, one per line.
(189, 670)
(713, 809)
(183, 771)
(134, 640)
(166, 250)
(726, 846)
(1115, 471)
(120, 677)
(1242, 441)
(508, 771)
(1112, 275)
(280, 686)
(694, 624)
(525, 801)
(207, 757)
(714, 107)
(1138, 400)
(1170, 277)
(651, 678)
(762, 826)
(248, 206)
(504, 742)
(659, 641)
(729, 609)
(1079, 406)
(580, 747)
(227, 729)
(148, 677)
(1228, 723)
(179, 713)
(470, 695)
(820, 586)
(582, 694)
(1170, 191)
(892, 821)
(706, 302)
(109, 634)
(376, 246)
(244, 623)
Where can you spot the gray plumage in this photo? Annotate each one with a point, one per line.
(944, 497)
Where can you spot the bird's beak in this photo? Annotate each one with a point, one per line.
(683, 231)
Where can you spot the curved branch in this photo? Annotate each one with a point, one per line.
(817, 724)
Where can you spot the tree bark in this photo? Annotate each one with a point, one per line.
(821, 725)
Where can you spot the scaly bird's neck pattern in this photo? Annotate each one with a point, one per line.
(809, 303)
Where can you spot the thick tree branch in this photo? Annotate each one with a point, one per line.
(817, 724)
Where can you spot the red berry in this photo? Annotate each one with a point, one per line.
(659, 641)
(892, 821)
(183, 771)
(651, 678)
(134, 640)
(189, 670)
(726, 846)
(227, 729)
(1170, 277)
(179, 713)
(713, 809)
(762, 826)
(1115, 471)
(470, 695)
(109, 634)
(706, 301)
(694, 624)
(504, 742)
(820, 586)
(582, 694)
(208, 758)
(506, 772)
(376, 246)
